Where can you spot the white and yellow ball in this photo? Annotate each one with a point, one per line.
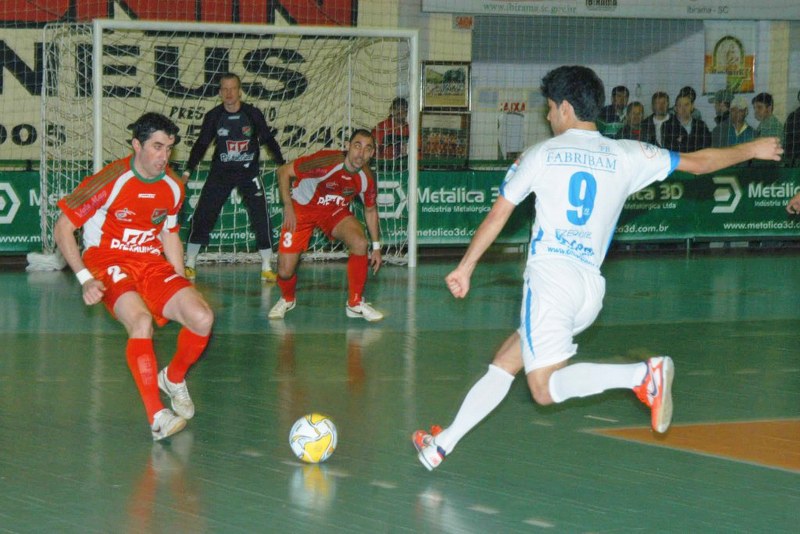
(313, 438)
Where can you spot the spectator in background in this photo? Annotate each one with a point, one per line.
(612, 116)
(660, 105)
(692, 94)
(391, 134)
(792, 136)
(635, 127)
(739, 131)
(682, 133)
(768, 124)
(722, 102)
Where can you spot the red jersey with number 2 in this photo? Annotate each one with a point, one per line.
(123, 212)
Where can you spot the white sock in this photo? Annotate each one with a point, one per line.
(266, 259)
(484, 397)
(192, 250)
(585, 379)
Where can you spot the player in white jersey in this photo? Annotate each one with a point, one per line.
(581, 181)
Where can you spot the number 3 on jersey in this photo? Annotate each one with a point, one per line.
(582, 190)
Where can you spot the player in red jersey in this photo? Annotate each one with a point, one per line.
(316, 191)
(133, 263)
(391, 134)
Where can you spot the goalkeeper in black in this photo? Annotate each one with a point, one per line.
(240, 129)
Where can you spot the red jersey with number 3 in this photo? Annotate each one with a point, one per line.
(323, 180)
(122, 212)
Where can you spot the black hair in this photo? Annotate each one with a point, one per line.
(361, 131)
(687, 91)
(399, 101)
(659, 94)
(149, 123)
(620, 89)
(764, 98)
(578, 85)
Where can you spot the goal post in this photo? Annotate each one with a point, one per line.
(315, 85)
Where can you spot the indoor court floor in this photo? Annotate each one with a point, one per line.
(76, 454)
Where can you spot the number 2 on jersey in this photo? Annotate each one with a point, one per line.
(582, 190)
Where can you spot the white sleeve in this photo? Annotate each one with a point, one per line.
(519, 180)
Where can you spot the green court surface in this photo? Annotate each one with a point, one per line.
(76, 453)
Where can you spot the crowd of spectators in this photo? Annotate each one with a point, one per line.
(682, 128)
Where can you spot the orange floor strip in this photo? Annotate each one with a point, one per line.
(770, 443)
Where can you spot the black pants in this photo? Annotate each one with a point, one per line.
(215, 192)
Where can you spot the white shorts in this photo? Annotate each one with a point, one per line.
(559, 300)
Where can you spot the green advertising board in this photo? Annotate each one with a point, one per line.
(20, 231)
(735, 203)
(738, 203)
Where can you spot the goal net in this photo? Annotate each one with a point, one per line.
(315, 85)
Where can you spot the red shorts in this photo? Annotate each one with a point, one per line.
(308, 218)
(152, 277)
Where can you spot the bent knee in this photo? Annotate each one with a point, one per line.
(539, 385)
(140, 325)
(202, 319)
(542, 398)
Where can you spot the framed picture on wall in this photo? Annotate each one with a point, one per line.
(444, 140)
(445, 86)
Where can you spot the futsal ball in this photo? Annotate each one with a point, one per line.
(313, 438)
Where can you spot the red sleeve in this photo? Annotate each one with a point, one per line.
(92, 193)
(371, 194)
(317, 164)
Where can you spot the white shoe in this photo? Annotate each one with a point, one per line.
(429, 453)
(365, 311)
(166, 423)
(178, 393)
(280, 308)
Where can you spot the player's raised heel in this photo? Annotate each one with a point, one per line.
(280, 308)
(430, 455)
(655, 391)
(166, 423)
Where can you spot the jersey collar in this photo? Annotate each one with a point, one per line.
(142, 178)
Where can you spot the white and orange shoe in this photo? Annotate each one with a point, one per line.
(429, 453)
(655, 391)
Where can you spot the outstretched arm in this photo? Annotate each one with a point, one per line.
(458, 280)
(712, 159)
(200, 146)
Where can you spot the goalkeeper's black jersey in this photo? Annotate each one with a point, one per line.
(239, 138)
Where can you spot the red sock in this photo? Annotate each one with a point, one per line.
(288, 288)
(144, 368)
(357, 269)
(190, 347)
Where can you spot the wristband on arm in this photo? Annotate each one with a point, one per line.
(84, 276)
